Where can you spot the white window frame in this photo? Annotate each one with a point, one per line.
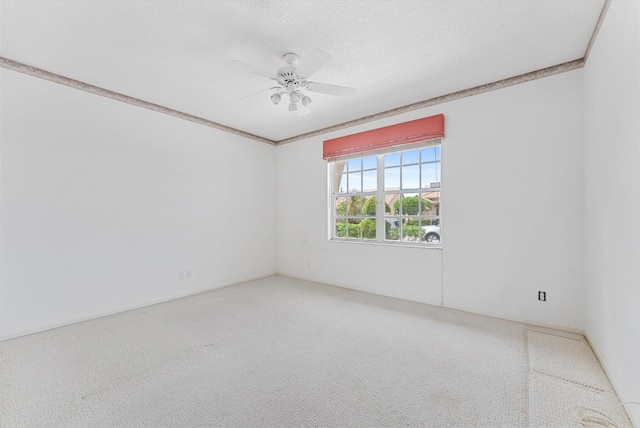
(380, 196)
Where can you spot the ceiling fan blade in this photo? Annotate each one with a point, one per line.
(312, 63)
(256, 93)
(325, 88)
(239, 65)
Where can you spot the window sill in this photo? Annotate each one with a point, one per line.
(388, 244)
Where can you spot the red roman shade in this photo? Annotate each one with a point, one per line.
(413, 131)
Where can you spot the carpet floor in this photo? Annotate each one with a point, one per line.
(281, 352)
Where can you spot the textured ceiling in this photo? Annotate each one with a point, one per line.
(175, 53)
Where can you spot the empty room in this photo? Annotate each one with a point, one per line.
(307, 213)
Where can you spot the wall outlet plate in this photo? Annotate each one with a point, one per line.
(542, 296)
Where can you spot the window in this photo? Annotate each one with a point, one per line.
(392, 197)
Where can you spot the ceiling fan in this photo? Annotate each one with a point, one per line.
(292, 79)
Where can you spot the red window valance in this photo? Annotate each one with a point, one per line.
(413, 131)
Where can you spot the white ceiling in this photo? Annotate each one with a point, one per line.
(396, 52)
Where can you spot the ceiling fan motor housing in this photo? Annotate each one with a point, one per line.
(288, 79)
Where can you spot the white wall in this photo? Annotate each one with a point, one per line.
(612, 154)
(512, 204)
(103, 203)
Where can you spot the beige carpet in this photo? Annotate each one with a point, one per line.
(280, 352)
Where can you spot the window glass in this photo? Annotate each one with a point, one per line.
(429, 154)
(354, 165)
(411, 157)
(410, 196)
(355, 184)
(430, 175)
(408, 204)
(369, 206)
(392, 159)
(370, 181)
(411, 177)
(340, 231)
(342, 184)
(392, 179)
(340, 206)
(370, 163)
(368, 228)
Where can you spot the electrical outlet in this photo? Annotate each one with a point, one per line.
(542, 296)
(181, 275)
(188, 273)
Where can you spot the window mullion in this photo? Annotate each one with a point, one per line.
(380, 222)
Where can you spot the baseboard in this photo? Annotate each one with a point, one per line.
(634, 414)
(485, 314)
(130, 308)
(303, 278)
(520, 320)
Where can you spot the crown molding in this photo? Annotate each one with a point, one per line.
(522, 78)
(77, 84)
(596, 30)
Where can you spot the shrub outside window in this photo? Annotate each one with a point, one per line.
(392, 197)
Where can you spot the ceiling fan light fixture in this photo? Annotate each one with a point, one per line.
(306, 101)
(294, 96)
(293, 107)
(275, 98)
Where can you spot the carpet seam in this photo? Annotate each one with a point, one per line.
(556, 335)
(573, 382)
